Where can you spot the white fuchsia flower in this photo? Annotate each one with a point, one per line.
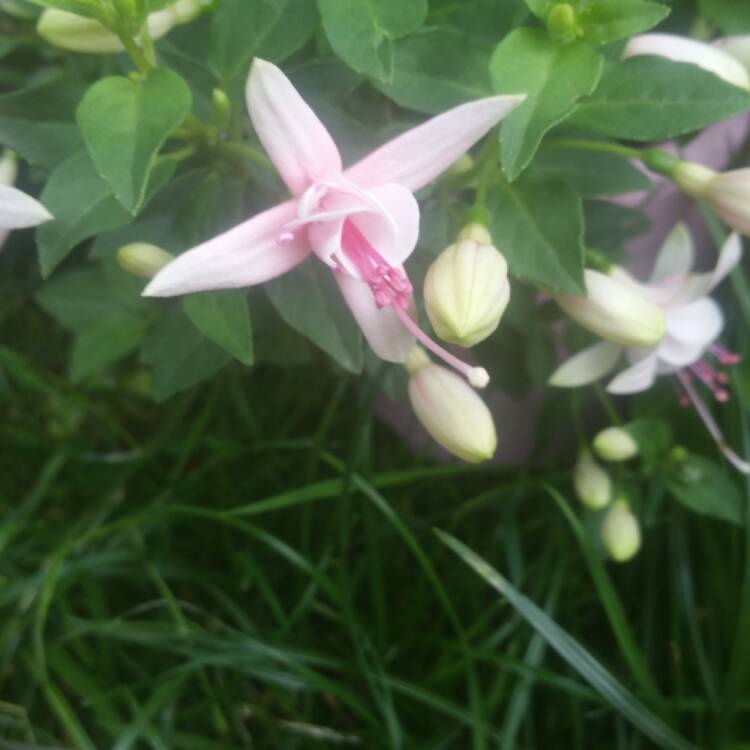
(17, 210)
(689, 349)
(682, 49)
(362, 222)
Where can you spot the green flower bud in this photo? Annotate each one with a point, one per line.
(562, 23)
(142, 259)
(621, 532)
(592, 483)
(466, 291)
(615, 444)
(450, 409)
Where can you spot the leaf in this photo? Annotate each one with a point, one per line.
(591, 173)
(705, 488)
(223, 317)
(362, 32)
(179, 356)
(608, 687)
(105, 342)
(605, 21)
(37, 122)
(309, 301)
(82, 205)
(731, 16)
(243, 29)
(553, 77)
(79, 7)
(125, 123)
(650, 98)
(654, 438)
(538, 225)
(435, 69)
(609, 225)
(540, 8)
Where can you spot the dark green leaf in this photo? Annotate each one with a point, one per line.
(605, 21)
(731, 16)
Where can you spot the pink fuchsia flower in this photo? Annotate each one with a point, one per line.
(689, 349)
(362, 222)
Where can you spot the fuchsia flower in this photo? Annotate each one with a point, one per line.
(362, 222)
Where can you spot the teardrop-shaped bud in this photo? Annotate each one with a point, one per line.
(621, 532)
(615, 444)
(592, 483)
(143, 259)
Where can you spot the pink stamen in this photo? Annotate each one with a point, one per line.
(724, 356)
(711, 425)
(390, 287)
(710, 377)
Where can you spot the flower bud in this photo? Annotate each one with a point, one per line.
(142, 259)
(562, 22)
(621, 532)
(466, 291)
(477, 232)
(615, 312)
(681, 49)
(592, 483)
(8, 167)
(615, 444)
(450, 410)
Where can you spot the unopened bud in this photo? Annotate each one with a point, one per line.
(466, 291)
(562, 23)
(682, 49)
(592, 483)
(621, 532)
(450, 410)
(615, 312)
(222, 109)
(8, 167)
(142, 259)
(615, 444)
(477, 232)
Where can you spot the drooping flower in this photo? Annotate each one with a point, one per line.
(690, 348)
(682, 49)
(362, 222)
(17, 210)
(450, 410)
(466, 289)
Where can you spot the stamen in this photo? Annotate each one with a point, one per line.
(724, 356)
(711, 425)
(710, 377)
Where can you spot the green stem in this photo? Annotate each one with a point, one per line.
(592, 145)
(607, 405)
(135, 52)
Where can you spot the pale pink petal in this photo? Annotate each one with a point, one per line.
(18, 210)
(696, 323)
(381, 327)
(586, 366)
(251, 253)
(700, 284)
(296, 140)
(675, 354)
(637, 377)
(422, 153)
(676, 256)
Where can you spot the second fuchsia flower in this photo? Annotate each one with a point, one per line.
(362, 222)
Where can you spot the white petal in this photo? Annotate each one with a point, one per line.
(676, 256)
(18, 210)
(696, 323)
(637, 377)
(381, 327)
(586, 366)
(251, 253)
(298, 143)
(675, 354)
(700, 284)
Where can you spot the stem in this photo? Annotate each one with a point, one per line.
(607, 405)
(592, 145)
(136, 55)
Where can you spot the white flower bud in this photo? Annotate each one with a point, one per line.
(681, 49)
(8, 167)
(615, 444)
(615, 312)
(466, 291)
(621, 532)
(450, 410)
(79, 34)
(477, 232)
(592, 483)
(142, 259)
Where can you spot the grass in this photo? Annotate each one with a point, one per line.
(256, 565)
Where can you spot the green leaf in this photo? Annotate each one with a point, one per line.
(179, 356)
(223, 317)
(605, 21)
(308, 300)
(125, 123)
(105, 342)
(82, 205)
(362, 32)
(591, 173)
(731, 16)
(705, 488)
(649, 98)
(79, 7)
(37, 122)
(435, 69)
(540, 8)
(243, 29)
(552, 76)
(539, 228)
(609, 226)
(654, 438)
(583, 662)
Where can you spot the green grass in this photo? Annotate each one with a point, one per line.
(254, 564)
